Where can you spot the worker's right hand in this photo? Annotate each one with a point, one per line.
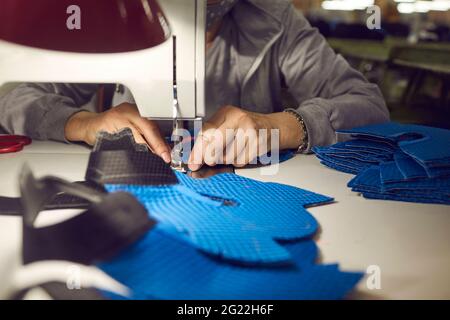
(84, 126)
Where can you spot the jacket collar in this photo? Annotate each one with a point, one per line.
(260, 24)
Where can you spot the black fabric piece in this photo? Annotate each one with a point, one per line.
(59, 291)
(118, 159)
(67, 201)
(13, 207)
(128, 167)
(37, 194)
(112, 223)
(93, 236)
(122, 140)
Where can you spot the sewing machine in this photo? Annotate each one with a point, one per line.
(147, 72)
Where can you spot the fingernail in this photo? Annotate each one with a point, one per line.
(166, 157)
(194, 167)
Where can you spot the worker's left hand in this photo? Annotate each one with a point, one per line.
(237, 137)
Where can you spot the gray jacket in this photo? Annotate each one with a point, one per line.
(281, 50)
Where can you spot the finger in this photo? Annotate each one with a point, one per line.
(235, 148)
(195, 174)
(120, 125)
(153, 136)
(231, 152)
(212, 142)
(259, 146)
(222, 139)
(248, 138)
(137, 135)
(240, 160)
(224, 146)
(201, 145)
(253, 150)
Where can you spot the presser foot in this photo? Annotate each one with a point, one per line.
(177, 159)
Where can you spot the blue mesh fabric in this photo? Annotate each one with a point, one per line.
(347, 165)
(163, 266)
(361, 150)
(409, 168)
(389, 173)
(377, 147)
(427, 145)
(436, 172)
(394, 162)
(232, 217)
(370, 185)
(339, 167)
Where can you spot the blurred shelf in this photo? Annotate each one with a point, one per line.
(432, 59)
(362, 49)
(383, 51)
(432, 67)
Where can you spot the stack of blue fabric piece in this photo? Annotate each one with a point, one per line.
(394, 161)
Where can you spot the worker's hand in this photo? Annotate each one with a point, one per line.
(236, 137)
(84, 126)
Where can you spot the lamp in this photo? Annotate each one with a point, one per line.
(105, 26)
(115, 41)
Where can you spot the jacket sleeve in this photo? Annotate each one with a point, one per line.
(331, 94)
(41, 111)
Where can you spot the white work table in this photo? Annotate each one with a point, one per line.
(409, 242)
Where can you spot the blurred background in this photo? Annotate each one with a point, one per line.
(408, 57)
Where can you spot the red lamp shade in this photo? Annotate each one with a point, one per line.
(105, 26)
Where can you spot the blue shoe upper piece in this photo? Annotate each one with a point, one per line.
(232, 217)
(164, 266)
(427, 145)
(395, 162)
(227, 237)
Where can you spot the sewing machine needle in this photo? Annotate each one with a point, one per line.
(177, 151)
